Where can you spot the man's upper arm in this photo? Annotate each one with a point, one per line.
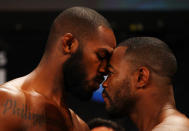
(5, 102)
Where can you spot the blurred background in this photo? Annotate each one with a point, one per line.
(25, 24)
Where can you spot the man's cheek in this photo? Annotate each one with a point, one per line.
(92, 71)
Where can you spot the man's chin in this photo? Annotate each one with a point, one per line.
(114, 113)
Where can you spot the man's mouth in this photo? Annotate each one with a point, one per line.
(104, 94)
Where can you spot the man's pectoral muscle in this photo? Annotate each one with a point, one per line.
(22, 111)
(48, 117)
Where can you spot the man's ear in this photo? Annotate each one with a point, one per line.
(142, 76)
(69, 43)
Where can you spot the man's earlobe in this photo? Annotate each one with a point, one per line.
(142, 77)
(69, 43)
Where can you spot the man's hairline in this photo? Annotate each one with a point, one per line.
(96, 32)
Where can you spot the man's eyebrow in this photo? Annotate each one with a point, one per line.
(108, 52)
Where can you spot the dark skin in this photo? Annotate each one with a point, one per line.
(37, 100)
(140, 93)
(29, 110)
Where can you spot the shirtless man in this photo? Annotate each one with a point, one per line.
(75, 59)
(139, 84)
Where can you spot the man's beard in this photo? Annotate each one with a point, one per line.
(75, 77)
(121, 106)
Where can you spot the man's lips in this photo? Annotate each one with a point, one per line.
(104, 94)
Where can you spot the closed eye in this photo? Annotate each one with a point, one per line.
(110, 70)
(110, 73)
(103, 54)
(100, 57)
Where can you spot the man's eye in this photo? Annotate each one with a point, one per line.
(110, 73)
(100, 57)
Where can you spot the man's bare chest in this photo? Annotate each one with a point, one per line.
(36, 116)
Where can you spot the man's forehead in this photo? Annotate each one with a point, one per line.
(118, 55)
(103, 38)
(106, 34)
(119, 52)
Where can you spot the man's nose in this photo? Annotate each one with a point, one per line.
(103, 68)
(105, 84)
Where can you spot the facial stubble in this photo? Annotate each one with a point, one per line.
(75, 76)
(123, 101)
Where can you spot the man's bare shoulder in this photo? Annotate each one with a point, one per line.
(8, 92)
(176, 122)
(79, 124)
(12, 88)
(9, 96)
(13, 92)
(19, 107)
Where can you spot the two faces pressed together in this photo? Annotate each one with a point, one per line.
(80, 51)
(139, 82)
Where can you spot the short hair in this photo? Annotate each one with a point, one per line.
(82, 22)
(99, 122)
(151, 52)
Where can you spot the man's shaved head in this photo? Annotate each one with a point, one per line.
(81, 22)
(151, 52)
(81, 42)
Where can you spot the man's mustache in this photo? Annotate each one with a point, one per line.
(106, 94)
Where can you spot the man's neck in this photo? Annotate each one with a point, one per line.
(150, 111)
(47, 83)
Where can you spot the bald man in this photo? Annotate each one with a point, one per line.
(139, 84)
(75, 60)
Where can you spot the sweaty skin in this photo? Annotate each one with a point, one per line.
(27, 110)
